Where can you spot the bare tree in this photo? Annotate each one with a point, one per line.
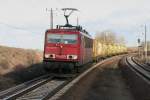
(106, 37)
(109, 37)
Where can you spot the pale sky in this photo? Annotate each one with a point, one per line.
(23, 22)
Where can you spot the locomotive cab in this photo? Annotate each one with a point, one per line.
(61, 46)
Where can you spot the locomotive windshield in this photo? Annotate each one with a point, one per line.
(62, 38)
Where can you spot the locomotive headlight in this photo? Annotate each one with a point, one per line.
(72, 56)
(52, 55)
(46, 55)
(49, 55)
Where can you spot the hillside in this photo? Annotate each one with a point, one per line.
(16, 58)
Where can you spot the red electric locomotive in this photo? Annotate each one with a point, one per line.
(67, 46)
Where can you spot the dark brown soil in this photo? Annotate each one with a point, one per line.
(104, 83)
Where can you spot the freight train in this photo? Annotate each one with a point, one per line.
(69, 46)
(103, 50)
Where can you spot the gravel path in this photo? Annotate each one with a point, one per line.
(104, 83)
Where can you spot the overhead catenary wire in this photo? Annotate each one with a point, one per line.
(16, 27)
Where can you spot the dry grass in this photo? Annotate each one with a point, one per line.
(19, 65)
(12, 59)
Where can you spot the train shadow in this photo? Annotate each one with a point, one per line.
(20, 75)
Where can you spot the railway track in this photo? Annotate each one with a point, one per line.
(45, 87)
(21, 89)
(138, 77)
(141, 70)
(40, 88)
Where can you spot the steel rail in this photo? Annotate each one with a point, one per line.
(20, 86)
(140, 71)
(43, 92)
(18, 91)
(144, 66)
